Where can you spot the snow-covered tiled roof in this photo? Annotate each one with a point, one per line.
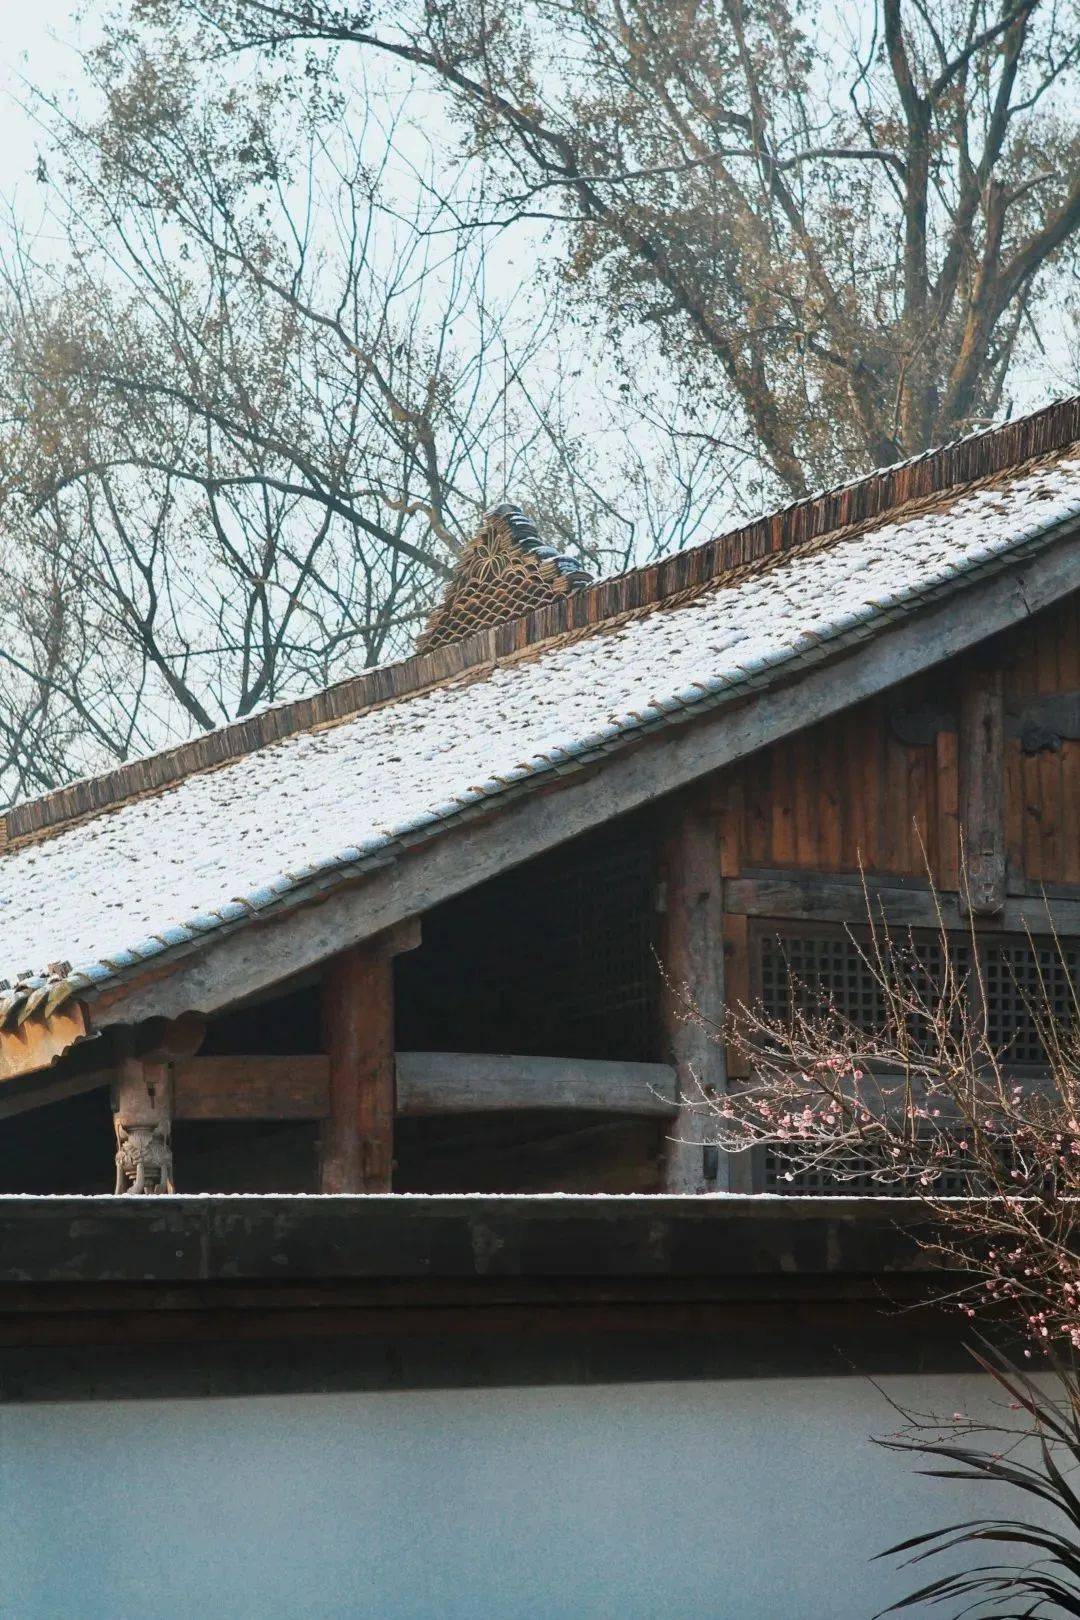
(157, 873)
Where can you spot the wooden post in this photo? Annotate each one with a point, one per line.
(358, 1020)
(982, 788)
(142, 1118)
(692, 959)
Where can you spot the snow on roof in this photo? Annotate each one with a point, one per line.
(159, 872)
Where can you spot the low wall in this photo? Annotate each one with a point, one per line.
(739, 1499)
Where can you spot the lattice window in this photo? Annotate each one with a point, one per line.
(848, 1176)
(1018, 982)
(598, 928)
(1026, 981)
(834, 972)
(815, 973)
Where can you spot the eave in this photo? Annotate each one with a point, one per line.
(38, 1039)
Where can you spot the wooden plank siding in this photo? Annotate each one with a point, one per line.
(850, 791)
(1042, 819)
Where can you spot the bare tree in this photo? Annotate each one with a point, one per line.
(254, 403)
(247, 415)
(858, 237)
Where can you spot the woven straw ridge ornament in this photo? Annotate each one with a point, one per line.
(504, 572)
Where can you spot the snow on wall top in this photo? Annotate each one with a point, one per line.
(159, 872)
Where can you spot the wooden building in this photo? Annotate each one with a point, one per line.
(428, 932)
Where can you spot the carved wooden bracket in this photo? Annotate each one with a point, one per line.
(142, 1118)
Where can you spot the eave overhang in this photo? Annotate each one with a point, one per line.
(34, 1037)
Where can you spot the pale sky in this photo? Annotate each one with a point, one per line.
(34, 44)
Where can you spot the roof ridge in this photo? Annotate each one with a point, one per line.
(504, 572)
(857, 501)
(527, 537)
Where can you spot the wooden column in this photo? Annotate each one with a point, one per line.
(982, 788)
(358, 1021)
(692, 959)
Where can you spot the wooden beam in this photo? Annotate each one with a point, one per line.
(480, 1083)
(358, 1024)
(251, 1087)
(811, 897)
(142, 1116)
(692, 961)
(262, 1087)
(221, 971)
(982, 789)
(48, 1088)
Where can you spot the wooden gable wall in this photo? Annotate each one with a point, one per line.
(884, 787)
(852, 788)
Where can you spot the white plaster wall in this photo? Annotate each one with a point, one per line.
(738, 1500)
